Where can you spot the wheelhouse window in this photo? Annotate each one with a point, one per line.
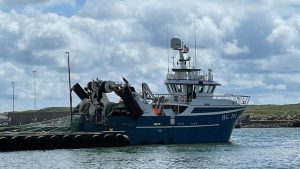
(179, 88)
(196, 88)
(174, 88)
(212, 89)
(200, 89)
(206, 88)
(168, 88)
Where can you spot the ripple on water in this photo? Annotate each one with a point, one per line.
(249, 148)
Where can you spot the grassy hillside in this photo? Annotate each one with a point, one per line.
(55, 109)
(48, 109)
(289, 111)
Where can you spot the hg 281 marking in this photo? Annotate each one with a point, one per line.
(229, 116)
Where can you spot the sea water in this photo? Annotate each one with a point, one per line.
(248, 148)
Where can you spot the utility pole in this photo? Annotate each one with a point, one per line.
(70, 90)
(34, 89)
(13, 96)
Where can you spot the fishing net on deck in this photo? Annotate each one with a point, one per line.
(59, 125)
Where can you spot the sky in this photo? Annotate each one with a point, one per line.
(253, 47)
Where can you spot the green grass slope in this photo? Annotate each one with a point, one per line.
(272, 112)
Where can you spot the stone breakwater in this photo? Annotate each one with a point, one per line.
(272, 122)
(269, 124)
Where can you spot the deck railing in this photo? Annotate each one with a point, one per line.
(176, 98)
(190, 76)
(242, 100)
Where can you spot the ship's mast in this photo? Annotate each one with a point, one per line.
(195, 39)
(181, 72)
(168, 51)
(177, 44)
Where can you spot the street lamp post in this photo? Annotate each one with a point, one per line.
(34, 89)
(70, 89)
(13, 96)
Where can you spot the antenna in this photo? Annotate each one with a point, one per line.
(168, 51)
(195, 38)
(211, 58)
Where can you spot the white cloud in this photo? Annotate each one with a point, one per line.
(13, 3)
(111, 39)
(286, 34)
(287, 77)
(8, 70)
(276, 87)
(231, 48)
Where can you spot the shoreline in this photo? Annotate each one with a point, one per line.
(269, 124)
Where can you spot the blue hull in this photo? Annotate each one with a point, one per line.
(159, 129)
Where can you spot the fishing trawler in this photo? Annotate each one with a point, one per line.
(189, 113)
